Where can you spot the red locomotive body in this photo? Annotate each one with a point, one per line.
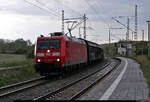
(55, 54)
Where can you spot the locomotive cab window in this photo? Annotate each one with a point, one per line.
(54, 44)
(43, 44)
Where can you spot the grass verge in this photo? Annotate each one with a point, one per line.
(8, 60)
(14, 76)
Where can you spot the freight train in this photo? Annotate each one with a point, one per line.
(59, 53)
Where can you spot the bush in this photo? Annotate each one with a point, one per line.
(20, 51)
(2, 82)
(30, 54)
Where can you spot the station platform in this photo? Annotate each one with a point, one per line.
(126, 82)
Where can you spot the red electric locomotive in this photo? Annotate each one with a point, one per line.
(53, 55)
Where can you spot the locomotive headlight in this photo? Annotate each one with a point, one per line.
(39, 60)
(58, 59)
(56, 54)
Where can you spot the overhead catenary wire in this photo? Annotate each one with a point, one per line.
(44, 7)
(122, 24)
(85, 9)
(53, 11)
(116, 36)
(81, 21)
(50, 13)
(66, 6)
(89, 11)
(95, 11)
(92, 9)
(63, 5)
(100, 4)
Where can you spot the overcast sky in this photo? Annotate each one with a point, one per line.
(28, 19)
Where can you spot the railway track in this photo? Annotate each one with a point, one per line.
(69, 91)
(12, 91)
(18, 87)
(12, 68)
(84, 90)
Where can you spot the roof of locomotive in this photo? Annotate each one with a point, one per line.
(67, 38)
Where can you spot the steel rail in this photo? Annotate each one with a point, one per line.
(12, 68)
(80, 93)
(51, 94)
(18, 87)
(10, 89)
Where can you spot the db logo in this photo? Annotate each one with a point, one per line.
(48, 54)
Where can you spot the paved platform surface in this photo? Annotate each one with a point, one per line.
(125, 83)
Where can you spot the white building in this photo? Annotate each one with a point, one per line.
(122, 51)
(125, 49)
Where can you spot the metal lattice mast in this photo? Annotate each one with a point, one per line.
(148, 30)
(84, 17)
(148, 39)
(62, 21)
(142, 35)
(127, 34)
(136, 27)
